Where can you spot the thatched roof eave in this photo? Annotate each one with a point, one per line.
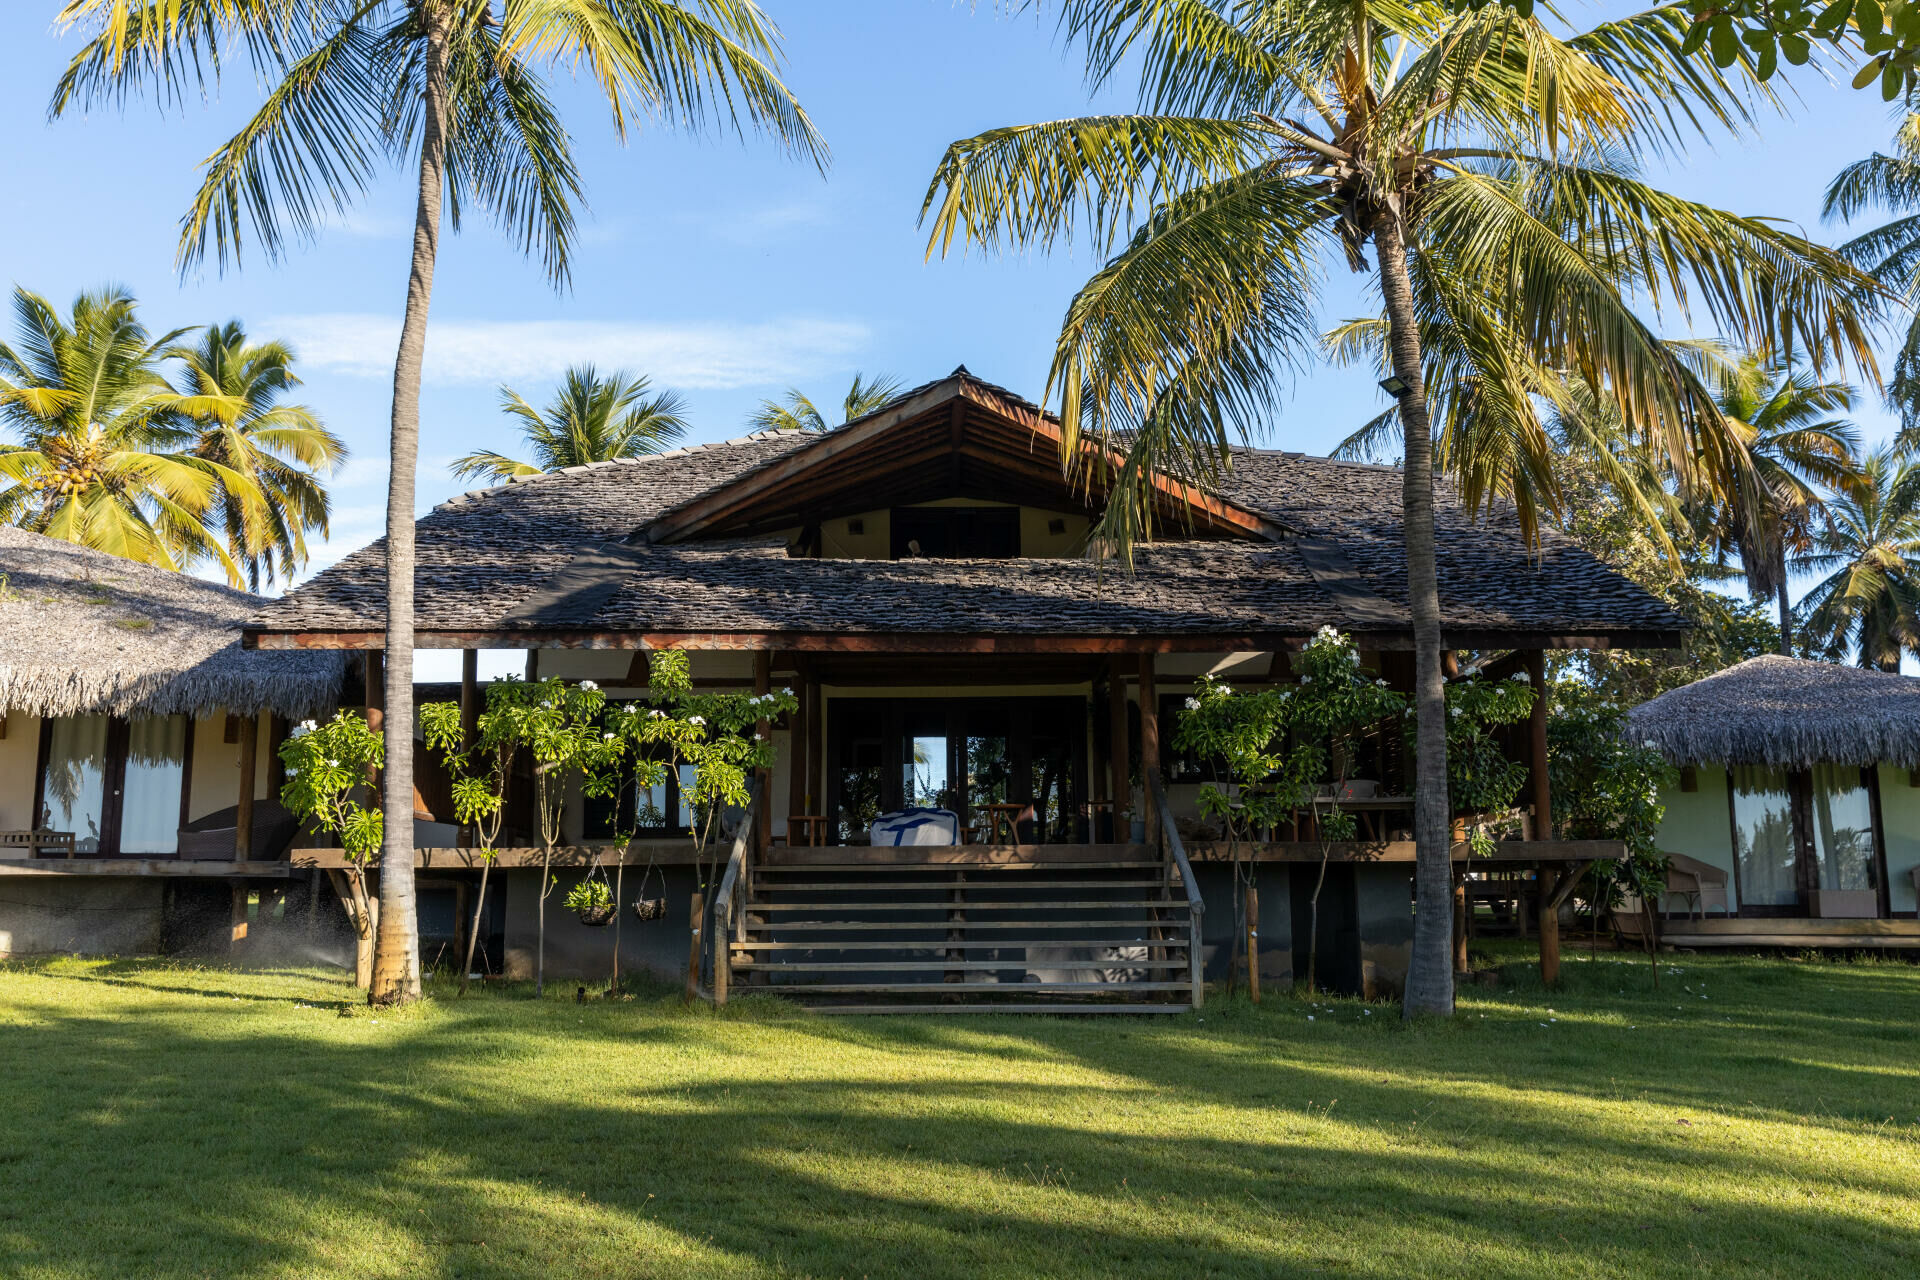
(1786, 713)
(84, 633)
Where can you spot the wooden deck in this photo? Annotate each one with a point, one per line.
(214, 868)
(1506, 853)
(1720, 931)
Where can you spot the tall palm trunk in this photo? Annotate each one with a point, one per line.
(396, 961)
(1785, 606)
(1430, 974)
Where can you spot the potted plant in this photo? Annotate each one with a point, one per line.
(592, 901)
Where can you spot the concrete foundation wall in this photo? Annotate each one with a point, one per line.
(575, 951)
(87, 916)
(1224, 918)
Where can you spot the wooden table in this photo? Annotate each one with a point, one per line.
(812, 826)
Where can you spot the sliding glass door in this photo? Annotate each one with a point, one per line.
(1801, 832)
(118, 785)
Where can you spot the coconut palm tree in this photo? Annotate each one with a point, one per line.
(1486, 164)
(1890, 253)
(795, 412)
(589, 419)
(456, 91)
(233, 397)
(1867, 544)
(1798, 450)
(103, 456)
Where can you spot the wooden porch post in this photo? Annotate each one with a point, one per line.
(799, 797)
(469, 725)
(243, 811)
(1149, 743)
(1122, 789)
(763, 812)
(1546, 880)
(376, 667)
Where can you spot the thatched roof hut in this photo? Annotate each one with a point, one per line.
(1786, 713)
(82, 632)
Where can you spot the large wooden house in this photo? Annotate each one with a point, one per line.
(921, 577)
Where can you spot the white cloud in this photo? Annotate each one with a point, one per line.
(712, 355)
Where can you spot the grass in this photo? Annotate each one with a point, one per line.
(1751, 1118)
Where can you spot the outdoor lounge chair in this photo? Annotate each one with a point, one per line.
(1698, 882)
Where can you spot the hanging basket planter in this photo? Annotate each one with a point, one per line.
(650, 909)
(592, 900)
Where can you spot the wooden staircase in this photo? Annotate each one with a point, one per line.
(1034, 936)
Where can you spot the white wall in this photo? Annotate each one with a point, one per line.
(19, 758)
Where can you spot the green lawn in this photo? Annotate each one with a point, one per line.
(1752, 1118)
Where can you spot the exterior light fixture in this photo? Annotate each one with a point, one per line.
(1393, 386)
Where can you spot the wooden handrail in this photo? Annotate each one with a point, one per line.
(722, 931)
(1175, 852)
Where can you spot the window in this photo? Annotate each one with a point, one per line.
(1843, 844)
(658, 810)
(120, 786)
(1798, 831)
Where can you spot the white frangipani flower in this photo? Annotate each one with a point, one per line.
(588, 685)
(1193, 704)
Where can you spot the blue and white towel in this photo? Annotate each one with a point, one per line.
(916, 826)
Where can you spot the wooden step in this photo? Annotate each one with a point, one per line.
(948, 868)
(916, 926)
(935, 944)
(941, 886)
(939, 966)
(1038, 904)
(1019, 988)
(1010, 1007)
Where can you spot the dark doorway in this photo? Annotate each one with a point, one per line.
(960, 754)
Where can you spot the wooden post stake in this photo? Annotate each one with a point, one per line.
(1253, 943)
(237, 933)
(696, 917)
(1149, 744)
(1549, 913)
(762, 812)
(249, 763)
(1460, 924)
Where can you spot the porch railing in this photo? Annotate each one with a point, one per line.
(730, 899)
(1174, 853)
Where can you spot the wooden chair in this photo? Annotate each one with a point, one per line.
(1697, 882)
(809, 829)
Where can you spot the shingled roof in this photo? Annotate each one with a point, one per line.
(504, 564)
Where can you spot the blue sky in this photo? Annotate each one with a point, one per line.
(722, 269)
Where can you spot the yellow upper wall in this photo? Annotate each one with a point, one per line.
(875, 540)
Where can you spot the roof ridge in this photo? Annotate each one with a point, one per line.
(679, 451)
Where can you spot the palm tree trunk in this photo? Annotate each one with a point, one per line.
(1786, 607)
(396, 961)
(1430, 972)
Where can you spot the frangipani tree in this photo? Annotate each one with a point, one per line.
(1477, 163)
(1286, 750)
(327, 767)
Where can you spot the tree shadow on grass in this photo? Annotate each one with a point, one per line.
(506, 1138)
